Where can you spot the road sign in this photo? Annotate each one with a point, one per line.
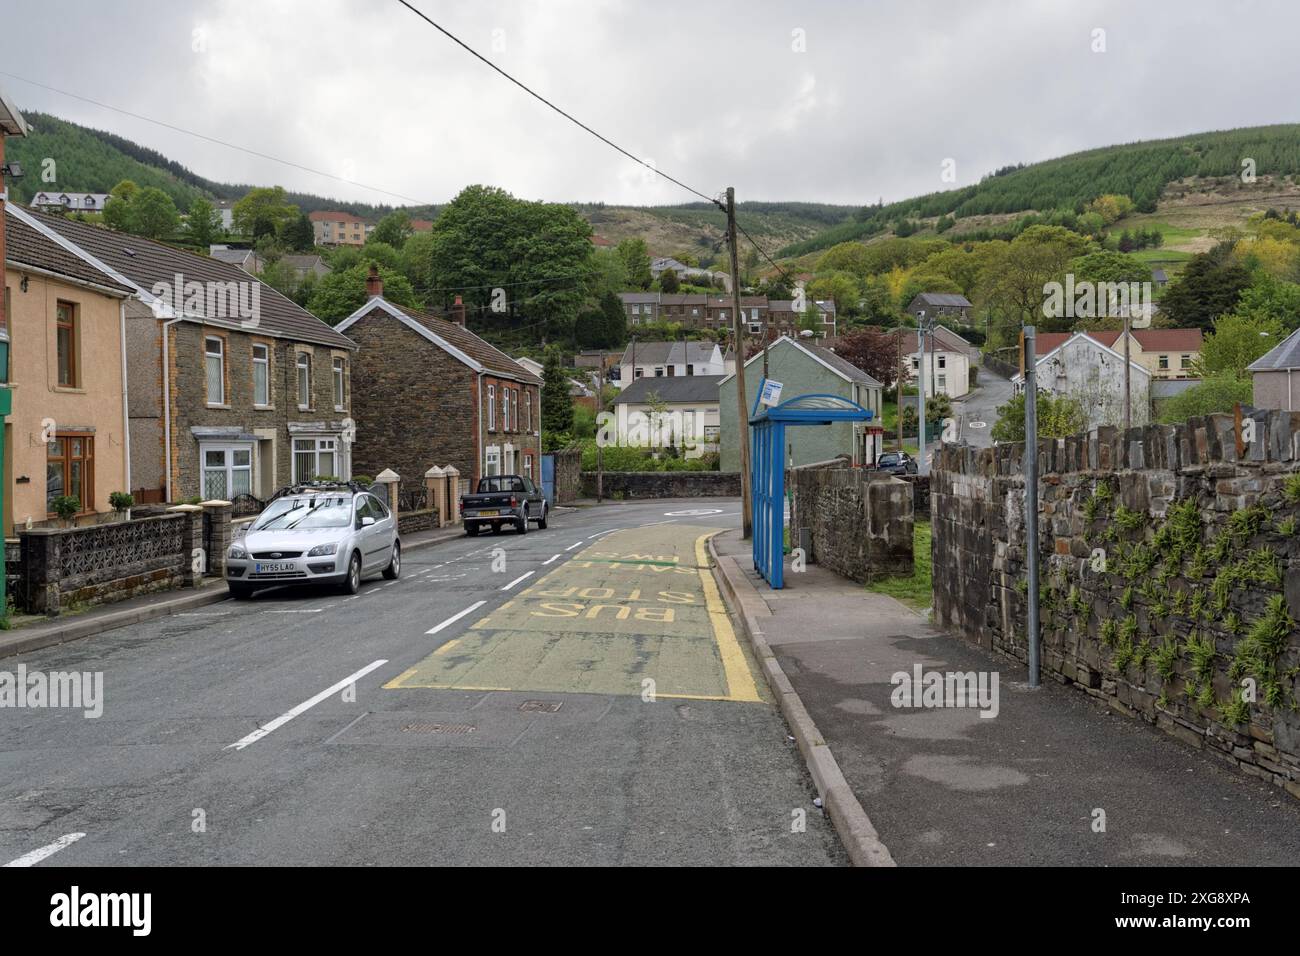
(771, 392)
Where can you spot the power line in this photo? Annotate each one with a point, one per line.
(218, 142)
(608, 142)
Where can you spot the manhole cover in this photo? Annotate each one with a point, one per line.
(979, 424)
(438, 729)
(542, 706)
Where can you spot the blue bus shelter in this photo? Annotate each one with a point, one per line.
(767, 469)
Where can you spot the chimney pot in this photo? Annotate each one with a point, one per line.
(374, 284)
(458, 312)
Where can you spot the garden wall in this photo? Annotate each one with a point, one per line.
(664, 484)
(860, 524)
(1169, 580)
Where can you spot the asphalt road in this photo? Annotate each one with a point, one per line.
(569, 696)
(980, 406)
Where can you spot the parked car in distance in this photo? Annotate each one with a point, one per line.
(501, 500)
(896, 463)
(316, 534)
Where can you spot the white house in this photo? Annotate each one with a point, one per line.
(1093, 373)
(680, 412)
(947, 360)
(669, 360)
(577, 388)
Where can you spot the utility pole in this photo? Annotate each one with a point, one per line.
(738, 334)
(898, 391)
(921, 467)
(600, 446)
(1031, 499)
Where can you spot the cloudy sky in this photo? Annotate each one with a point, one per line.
(815, 100)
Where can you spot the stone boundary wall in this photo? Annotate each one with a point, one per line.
(1169, 578)
(568, 474)
(664, 484)
(860, 524)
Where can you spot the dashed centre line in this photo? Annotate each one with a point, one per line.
(305, 706)
(455, 617)
(36, 856)
(523, 577)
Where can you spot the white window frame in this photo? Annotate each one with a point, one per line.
(491, 460)
(505, 409)
(265, 362)
(492, 408)
(528, 411)
(228, 450)
(339, 372)
(303, 365)
(220, 356)
(320, 445)
(528, 465)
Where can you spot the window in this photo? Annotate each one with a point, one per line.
(338, 384)
(639, 372)
(690, 369)
(943, 383)
(636, 310)
(304, 380)
(528, 465)
(528, 411)
(711, 434)
(314, 457)
(492, 408)
(261, 375)
(916, 364)
(505, 409)
(492, 461)
(1185, 361)
(695, 312)
(943, 361)
(1164, 361)
(70, 470)
(69, 367)
(659, 372)
(755, 328)
(214, 363)
(227, 470)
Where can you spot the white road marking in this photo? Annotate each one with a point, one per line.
(550, 559)
(305, 706)
(297, 610)
(202, 613)
(522, 577)
(31, 859)
(576, 544)
(456, 617)
(599, 533)
(692, 512)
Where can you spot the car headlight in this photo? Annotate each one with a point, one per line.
(322, 549)
(237, 553)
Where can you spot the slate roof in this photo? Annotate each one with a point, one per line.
(144, 262)
(669, 353)
(489, 356)
(25, 246)
(1285, 355)
(949, 300)
(843, 366)
(672, 390)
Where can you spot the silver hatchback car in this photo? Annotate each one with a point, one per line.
(334, 535)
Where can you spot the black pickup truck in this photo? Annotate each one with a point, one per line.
(502, 500)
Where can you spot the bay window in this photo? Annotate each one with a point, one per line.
(315, 458)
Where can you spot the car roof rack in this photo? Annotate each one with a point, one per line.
(318, 487)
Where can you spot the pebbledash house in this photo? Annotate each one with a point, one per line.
(232, 388)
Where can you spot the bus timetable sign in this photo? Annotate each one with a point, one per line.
(771, 393)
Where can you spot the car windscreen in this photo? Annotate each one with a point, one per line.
(284, 514)
(888, 460)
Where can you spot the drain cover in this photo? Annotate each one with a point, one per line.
(438, 729)
(542, 706)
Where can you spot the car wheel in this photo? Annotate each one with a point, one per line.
(471, 530)
(352, 583)
(395, 565)
(521, 525)
(240, 591)
(541, 522)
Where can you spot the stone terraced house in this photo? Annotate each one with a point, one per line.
(430, 392)
(232, 388)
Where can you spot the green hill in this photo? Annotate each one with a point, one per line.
(92, 160)
(1142, 171)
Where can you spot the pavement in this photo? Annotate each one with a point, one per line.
(570, 696)
(1054, 778)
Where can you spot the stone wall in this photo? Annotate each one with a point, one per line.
(860, 523)
(1169, 576)
(664, 484)
(568, 474)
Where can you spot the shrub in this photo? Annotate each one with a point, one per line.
(66, 506)
(121, 500)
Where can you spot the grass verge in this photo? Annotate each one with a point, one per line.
(915, 589)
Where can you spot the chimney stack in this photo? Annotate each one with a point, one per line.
(374, 284)
(458, 312)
